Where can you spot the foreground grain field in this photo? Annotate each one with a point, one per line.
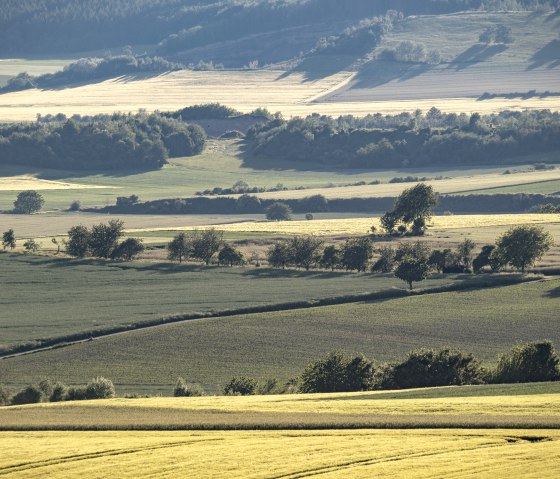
(280, 344)
(282, 454)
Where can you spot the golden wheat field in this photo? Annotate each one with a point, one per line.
(359, 226)
(28, 182)
(292, 94)
(282, 454)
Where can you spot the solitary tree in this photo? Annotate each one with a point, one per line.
(278, 255)
(28, 202)
(356, 253)
(9, 239)
(205, 244)
(522, 246)
(305, 250)
(78, 241)
(279, 212)
(128, 249)
(31, 246)
(230, 256)
(104, 237)
(178, 248)
(414, 205)
(331, 257)
(412, 270)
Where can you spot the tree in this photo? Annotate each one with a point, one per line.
(178, 248)
(100, 388)
(304, 250)
(31, 246)
(337, 373)
(356, 253)
(183, 389)
(128, 249)
(464, 253)
(4, 397)
(241, 386)
(522, 246)
(28, 202)
(206, 243)
(386, 261)
(78, 241)
(440, 259)
(28, 395)
(525, 363)
(9, 239)
(331, 257)
(412, 270)
(278, 255)
(230, 256)
(487, 257)
(103, 238)
(279, 212)
(389, 222)
(416, 250)
(415, 203)
(75, 206)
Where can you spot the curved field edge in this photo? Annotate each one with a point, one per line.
(332, 453)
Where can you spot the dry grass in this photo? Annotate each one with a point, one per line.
(281, 454)
(26, 182)
(245, 90)
(360, 226)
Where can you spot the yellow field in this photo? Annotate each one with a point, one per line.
(359, 226)
(282, 454)
(26, 182)
(291, 94)
(446, 186)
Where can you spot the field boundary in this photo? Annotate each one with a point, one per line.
(86, 336)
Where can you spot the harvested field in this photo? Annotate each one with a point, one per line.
(26, 182)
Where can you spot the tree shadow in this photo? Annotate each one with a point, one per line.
(548, 55)
(476, 54)
(270, 273)
(553, 293)
(317, 67)
(379, 72)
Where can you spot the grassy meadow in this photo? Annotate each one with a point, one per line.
(280, 344)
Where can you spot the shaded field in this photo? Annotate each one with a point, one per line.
(264, 454)
(51, 297)
(280, 344)
(510, 405)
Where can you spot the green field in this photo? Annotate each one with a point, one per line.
(50, 297)
(223, 163)
(211, 351)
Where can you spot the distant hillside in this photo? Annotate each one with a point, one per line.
(265, 30)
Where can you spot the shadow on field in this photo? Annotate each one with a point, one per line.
(548, 55)
(292, 273)
(477, 53)
(380, 72)
(553, 293)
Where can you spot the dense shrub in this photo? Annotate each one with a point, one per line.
(28, 395)
(76, 393)
(59, 393)
(241, 386)
(100, 388)
(531, 362)
(184, 389)
(337, 373)
(4, 397)
(431, 368)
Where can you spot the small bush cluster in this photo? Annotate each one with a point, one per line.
(45, 391)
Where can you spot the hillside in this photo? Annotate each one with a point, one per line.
(280, 344)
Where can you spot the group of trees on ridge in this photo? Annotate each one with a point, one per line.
(406, 139)
(339, 372)
(140, 141)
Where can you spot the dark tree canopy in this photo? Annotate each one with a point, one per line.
(28, 202)
(522, 246)
(279, 212)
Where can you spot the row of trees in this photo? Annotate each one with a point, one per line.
(339, 372)
(140, 141)
(406, 140)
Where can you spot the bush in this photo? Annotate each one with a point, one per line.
(4, 397)
(337, 373)
(100, 388)
(279, 212)
(29, 395)
(128, 249)
(76, 393)
(430, 368)
(75, 206)
(241, 386)
(59, 393)
(183, 389)
(527, 363)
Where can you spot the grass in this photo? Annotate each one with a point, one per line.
(264, 454)
(51, 297)
(280, 344)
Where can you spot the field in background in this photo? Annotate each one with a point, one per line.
(485, 322)
(12, 67)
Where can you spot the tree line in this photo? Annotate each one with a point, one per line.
(406, 140)
(140, 141)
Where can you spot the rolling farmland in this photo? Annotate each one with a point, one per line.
(280, 344)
